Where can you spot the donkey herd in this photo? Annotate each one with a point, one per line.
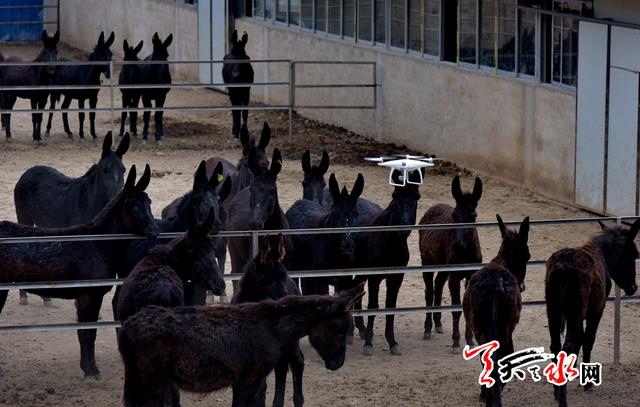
(170, 340)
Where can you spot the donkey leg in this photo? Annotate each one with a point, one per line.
(297, 371)
(572, 343)
(221, 258)
(34, 121)
(593, 321)
(555, 329)
(245, 102)
(88, 307)
(428, 299)
(52, 108)
(66, 102)
(281, 369)
(441, 279)
(236, 101)
(93, 102)
(3, 298)
(24, 300)
(133, 116)
(123, 114)
(374, 289)
(81, 119)
(158, 117)
(8, 103)
(358, 320)
(393, 288)
(146, 102)
(454, 290)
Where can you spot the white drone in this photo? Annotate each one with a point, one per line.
(406, 164)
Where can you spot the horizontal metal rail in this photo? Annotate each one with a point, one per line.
(150, 62)
(27, 22)
(361, 313)
(150, 109)
(293, 274)
(312, 231)
(140, 86)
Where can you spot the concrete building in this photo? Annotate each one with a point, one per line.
(543, 93)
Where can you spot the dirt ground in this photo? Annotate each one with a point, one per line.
(43, 368)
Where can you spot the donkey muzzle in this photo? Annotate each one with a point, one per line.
(631, 290)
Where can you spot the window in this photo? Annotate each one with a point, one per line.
(334, 16)
(506, 35)
(267, 9)
(432, 27)
(527, 52)
(307, 14)
(488, 33)
(398, 15)
(258, 8)
(321, 9)
(294, 12)
(415, 25)
(565, 41)
(281, 10)
(380, 22)
(365, 14)
(467, 31)
(349, 18)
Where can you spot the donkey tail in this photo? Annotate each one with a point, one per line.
(132, 378)
(563, 294)
(494, 394)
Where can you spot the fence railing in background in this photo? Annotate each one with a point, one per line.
(22, 8)
(112, 85)
(254, 234)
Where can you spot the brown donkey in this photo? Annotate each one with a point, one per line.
(492, 301)
(450, 246)
(577, 284)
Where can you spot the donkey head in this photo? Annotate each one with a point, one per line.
(110, 169)
(136, 217)
(101, 52)
(313, 183)
(465, 212)
(261, 162)
(205, 197)
(404, 202)
(622, 264)
(238, 45)
(515, 249)
(193, 253)
(238, 52)
(130, 53)
(344, 213)
(160, 48)
(49, 52)
(267, 269)
(263, 190)
(329, 335)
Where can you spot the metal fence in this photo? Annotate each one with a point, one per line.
(21, 21)
(113, 86)
(255, 234)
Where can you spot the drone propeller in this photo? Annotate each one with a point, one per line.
(380, 159)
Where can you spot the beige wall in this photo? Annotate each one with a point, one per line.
(515, 130)
(81, 22)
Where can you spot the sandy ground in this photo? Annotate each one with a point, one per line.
(43, 368)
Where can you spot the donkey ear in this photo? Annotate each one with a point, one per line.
(109, 41)
(334, 188)
(234, 37)
(282, 249)
(456, 191)
(633, 231)
(200, 177)
(358, 187)
(306, 161)
(265, 137)
(524, 230)
(503, 228)
(125, 45)
(245, 38)
(345, 300)
(155, 40)
(45, 37)
(324, 163)
(101, 39)
(477, 189)
(106, 145)
(130, 183)
(604, 227)
(143, 183)
(216, 175)
(123, 147)
(245, 139)
(168, 41)
(138, 47)
(55, 38)
(276, 164)
(225, 189)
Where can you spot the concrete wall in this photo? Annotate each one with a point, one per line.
(81, 22)
(519, 131)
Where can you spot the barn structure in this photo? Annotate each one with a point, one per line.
(542, 93)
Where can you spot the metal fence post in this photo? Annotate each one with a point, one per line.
(616, 318)
(113, 113)
(254, 243)
(292, 96)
